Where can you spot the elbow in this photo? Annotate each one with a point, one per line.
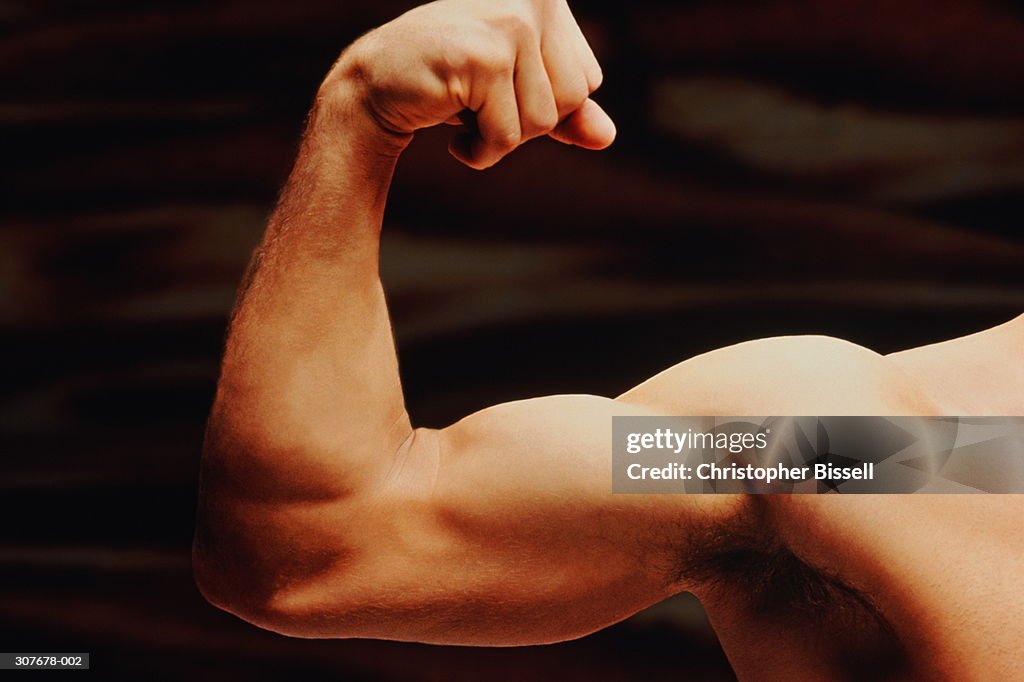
(222, 578)
(256, 551)
(227, 557)
(256, 591)
(279, 525)
(221, 588)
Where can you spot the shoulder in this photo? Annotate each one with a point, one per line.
(787, 375)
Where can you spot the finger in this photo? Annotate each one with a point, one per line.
(589, 127)
(584, 53)
(568, 81)
(538, 112)
(497, 124)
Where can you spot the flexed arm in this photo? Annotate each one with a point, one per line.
(323, 512)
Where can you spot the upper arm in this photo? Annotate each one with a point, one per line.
(500, 529)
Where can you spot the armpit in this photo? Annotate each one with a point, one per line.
(784, 610)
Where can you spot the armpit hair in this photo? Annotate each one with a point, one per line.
(750, 565)
(774, 586)
(776, 581)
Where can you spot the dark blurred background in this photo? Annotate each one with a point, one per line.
(847, 167)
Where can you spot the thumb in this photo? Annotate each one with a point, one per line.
(589, 127)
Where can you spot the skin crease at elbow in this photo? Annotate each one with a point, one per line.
(325, 513)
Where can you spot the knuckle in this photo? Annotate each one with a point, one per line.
(506, 139)
(572, 93)
(514, 24)
(595, 76)
(544, 122)
(456, 55)
(531, 131)
(470, 51)
(492, 57)
(579, 91)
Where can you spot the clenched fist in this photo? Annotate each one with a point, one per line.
(505, 71)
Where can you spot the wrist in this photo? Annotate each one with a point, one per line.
(343, 109)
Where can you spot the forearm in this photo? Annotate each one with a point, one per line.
(309, 408)
(309, 361)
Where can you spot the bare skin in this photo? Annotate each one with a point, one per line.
(324, 513)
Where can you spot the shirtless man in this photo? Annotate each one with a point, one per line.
(324, 513)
